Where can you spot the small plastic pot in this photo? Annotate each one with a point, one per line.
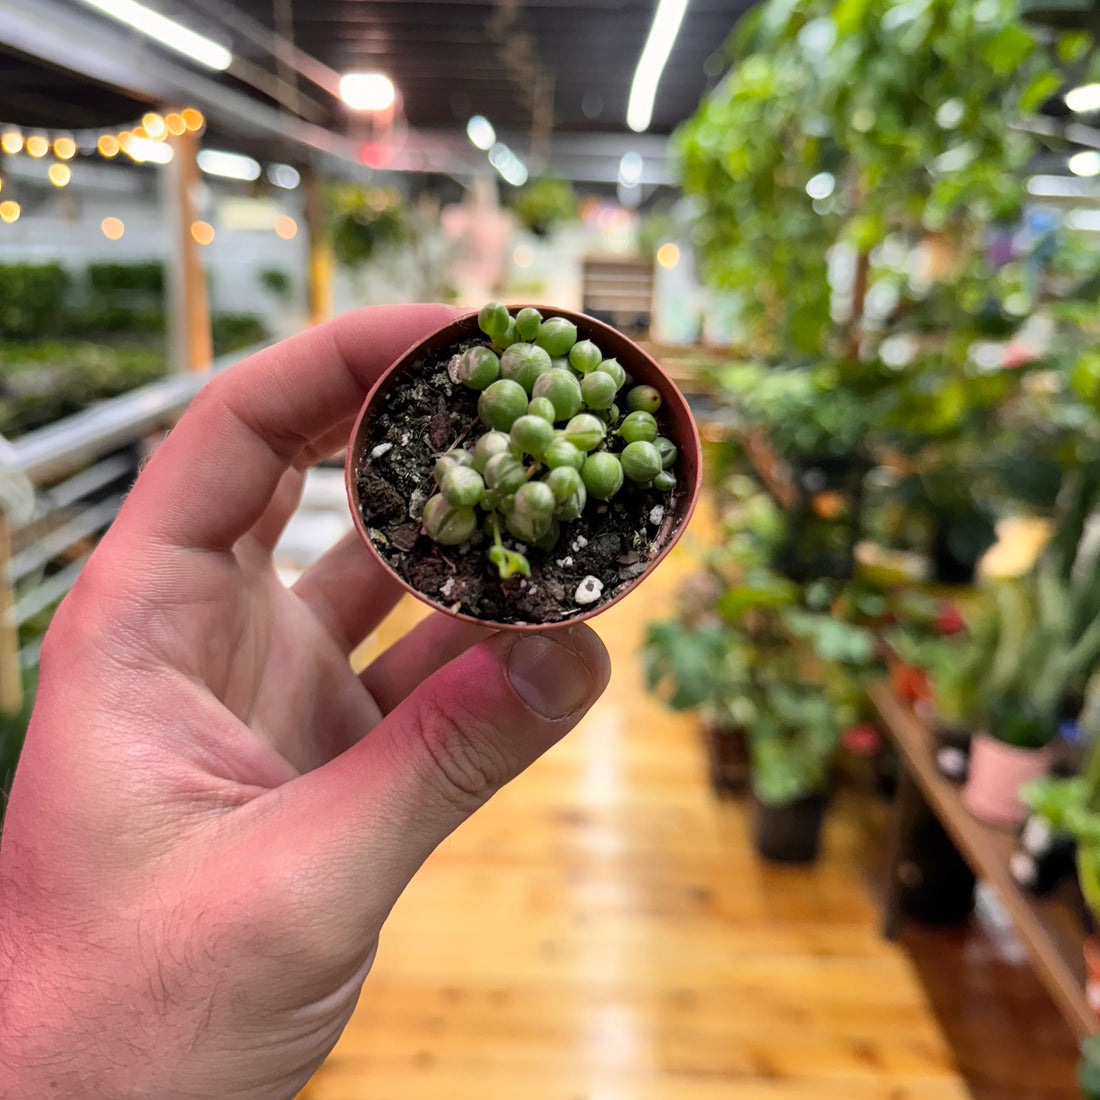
(675, 418)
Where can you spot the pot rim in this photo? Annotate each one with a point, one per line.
(630, 354)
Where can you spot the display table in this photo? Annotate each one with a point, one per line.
(1048, 928)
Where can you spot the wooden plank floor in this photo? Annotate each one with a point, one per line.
(602, 931)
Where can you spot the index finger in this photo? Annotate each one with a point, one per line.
(214, 475)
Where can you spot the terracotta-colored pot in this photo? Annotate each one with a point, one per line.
(1091, 950)
(675, 418)
(995, 775)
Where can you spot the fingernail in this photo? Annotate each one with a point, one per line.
(550, 679)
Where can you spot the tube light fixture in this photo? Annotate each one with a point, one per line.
(367, 91)
(1058, 187)
(230, 166)
(1084, 98)
(142, 150)
(285, 176)
(480, 131)
(662, 35)
(166, 31)
(630, 169)
(1085, 163)
(511, 168)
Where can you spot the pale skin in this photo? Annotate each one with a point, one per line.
(213, 815)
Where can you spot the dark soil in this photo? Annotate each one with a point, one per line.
(426, 414)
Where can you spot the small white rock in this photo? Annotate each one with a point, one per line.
(589, 590)
(448, 588)
(381, 449)
(563, 563)
(656, 514)
(579, 543)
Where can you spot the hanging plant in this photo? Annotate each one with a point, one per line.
(545, 204)
(364, 222)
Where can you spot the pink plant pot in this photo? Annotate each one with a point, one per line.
(996, 773)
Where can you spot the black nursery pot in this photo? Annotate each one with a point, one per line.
(790, 833)
(383, 476)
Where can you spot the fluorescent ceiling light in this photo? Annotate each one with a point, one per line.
(1088, 220)
(1086, 163)
(630, 169)
(285, 176)
(1085, 98)
(511, 168)
(480, 131)
(230, 166)
(666, 25)
(367, 91)
(1058, 187)
(166, 31)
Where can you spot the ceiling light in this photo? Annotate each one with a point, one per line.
(630, 169)
(367, 91)
(511, 168)
(166, 31)
(1086, 163)
(230, 166)
(1061, 187)
(643, 91)
(480, 131)
(142, 150)
(1085, 98)
(284, 176)
(1088, 220)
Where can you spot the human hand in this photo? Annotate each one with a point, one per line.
(213, 815)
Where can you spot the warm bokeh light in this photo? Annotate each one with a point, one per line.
(125, 141)
(193, 119)
(175, 125)
(668, 255)
(286, 227)
(60, 175)
(10, 211)
(64, 148)
(154, 126)
(12, 142)
(203, 232)
(140, 134)
(108, 145)
(112, 228)
(523, 256)
(37, 145)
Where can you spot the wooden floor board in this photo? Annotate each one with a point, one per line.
(603, 931)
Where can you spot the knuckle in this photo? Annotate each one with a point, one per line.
(462, 761)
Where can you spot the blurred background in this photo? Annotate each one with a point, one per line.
(835, 829)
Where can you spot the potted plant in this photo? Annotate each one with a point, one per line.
(523, 468)
(1046, 627)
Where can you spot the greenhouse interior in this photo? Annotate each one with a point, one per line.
(359, 359)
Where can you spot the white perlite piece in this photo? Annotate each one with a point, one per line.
(589, 590)
(579, 543)
(562, 563)
(656, 514)
(448, 588)
(381, 449)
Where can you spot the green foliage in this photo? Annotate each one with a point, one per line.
(237, 331)
(33, 300)
(46, 380)
(544, 204)
(365, 221)
(13, 729)
(108, 279)
(277, 282)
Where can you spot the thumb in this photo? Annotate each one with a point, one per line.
(376, 812)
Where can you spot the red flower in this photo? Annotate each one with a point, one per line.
(949, 621)
(861, 739)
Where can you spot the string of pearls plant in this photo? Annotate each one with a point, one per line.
(558, 432)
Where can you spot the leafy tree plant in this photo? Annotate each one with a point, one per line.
(555, 436)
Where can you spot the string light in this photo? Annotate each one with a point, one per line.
(203, 232)
(10, 211)
(175, 125)
(193, 119)
(64, 148)
(113, 228)
(286, 228)
(154, 126)
(60, 175)
(12, 142)
(37, 145)
(668, 255)
(108, 145)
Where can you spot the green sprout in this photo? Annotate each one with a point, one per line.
(555, 436)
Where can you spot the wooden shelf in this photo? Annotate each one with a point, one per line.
(1049, 930)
